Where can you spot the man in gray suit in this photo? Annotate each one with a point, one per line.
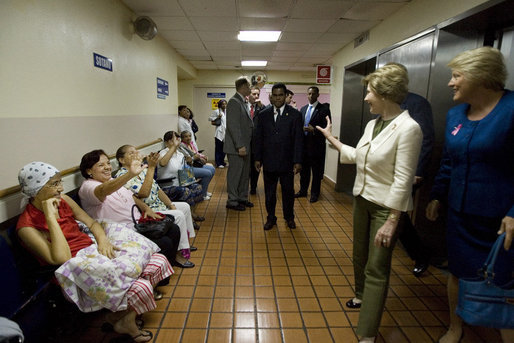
(238, 136)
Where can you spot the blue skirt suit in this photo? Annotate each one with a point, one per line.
(476, 178)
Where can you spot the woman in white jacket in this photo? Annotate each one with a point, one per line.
(386, 158)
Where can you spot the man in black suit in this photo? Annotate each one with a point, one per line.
(255, 105)
(278, 149)
(314, 146)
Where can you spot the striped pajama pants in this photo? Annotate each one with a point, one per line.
(140, 294)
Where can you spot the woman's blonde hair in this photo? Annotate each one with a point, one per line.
(483, 66)
(390, 82)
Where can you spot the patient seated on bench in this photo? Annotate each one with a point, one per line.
(115, 270)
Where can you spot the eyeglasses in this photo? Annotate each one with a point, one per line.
(55, 184)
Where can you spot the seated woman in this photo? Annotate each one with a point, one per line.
(145, 188)
(198, 161)
(94, 275)
(171, 161)
(105, 198)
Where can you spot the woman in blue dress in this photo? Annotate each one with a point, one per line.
(476, 177)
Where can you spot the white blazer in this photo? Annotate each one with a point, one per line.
(386, 165)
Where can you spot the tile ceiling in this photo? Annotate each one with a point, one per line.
(205, 31)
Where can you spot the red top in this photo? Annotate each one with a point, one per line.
(77, 240)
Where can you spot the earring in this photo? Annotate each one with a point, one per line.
(90, 175)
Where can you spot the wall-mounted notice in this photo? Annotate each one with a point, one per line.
(102, 62)
(323, 74)
(216, 95)
(162, 88)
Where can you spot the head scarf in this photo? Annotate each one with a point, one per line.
(32, 177)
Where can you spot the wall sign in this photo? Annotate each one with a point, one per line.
(162, 89)
(216, 95)
(102, 62)
(323, 74)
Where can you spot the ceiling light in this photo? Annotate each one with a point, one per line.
(254, 63)
(259, 36)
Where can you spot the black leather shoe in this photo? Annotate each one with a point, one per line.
(314, 198)
(187, 264)
(351, 304)
(269, 225)
(157, 295)
(246, 203)
(238, 207)
(419, 268)
(198, 218)
(291, 224)
(300, 195)
(253, 192)
(192, 248)
(196, 226)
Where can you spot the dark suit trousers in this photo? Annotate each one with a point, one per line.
(237, 178)
(409, 237)
(270, 188)
(317, 175)
(254, 175)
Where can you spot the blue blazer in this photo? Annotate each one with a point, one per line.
(477, 168)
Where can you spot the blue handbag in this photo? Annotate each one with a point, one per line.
(484, 303)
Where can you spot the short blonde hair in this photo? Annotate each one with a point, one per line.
(483, 66)
(390, 82)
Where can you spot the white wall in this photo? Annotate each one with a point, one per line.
(55, 105)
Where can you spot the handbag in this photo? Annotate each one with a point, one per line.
(153, 228)
(217, 121)
(186, 176)
(484, 303)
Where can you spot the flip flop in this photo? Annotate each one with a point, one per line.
(143, 334)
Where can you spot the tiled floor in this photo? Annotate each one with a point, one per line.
(251, 285)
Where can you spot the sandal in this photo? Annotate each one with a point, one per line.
(157, 295)
(143, 334)
(108, 327)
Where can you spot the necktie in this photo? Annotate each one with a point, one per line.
(308, 117)
(278, 114)
(251, 111)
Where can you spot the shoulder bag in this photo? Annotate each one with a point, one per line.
(153, 228)
(186, 176)
(482, 302)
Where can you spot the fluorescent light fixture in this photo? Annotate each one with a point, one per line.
(254, 63)
(259, 36)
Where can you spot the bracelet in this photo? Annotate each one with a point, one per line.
(393, 217)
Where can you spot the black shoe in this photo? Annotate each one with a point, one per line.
(198, 218)
(253, 191)
(196, 226)
(157, 295)
(301, 195)
(192, 248)
(246, 203)
(351, 304)
(187, 264)
(419, 268)
(314, 198)
(291, 224)
(269, 224)
(238, 207)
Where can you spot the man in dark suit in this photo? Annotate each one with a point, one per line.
(238, 136)
(255, 106)
(278, 149)
(314, 146)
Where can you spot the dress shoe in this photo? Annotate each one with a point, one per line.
(253, 192)
(419, 268)
(314, 198)
(238, 207)
(246, 203)
(269, 224)
(198, 218)
(291, 224)
(192, 248)
(187, 264)
(300, 195)
(351, 304)
(196, 226)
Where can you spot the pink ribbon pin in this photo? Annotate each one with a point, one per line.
(456, 129)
